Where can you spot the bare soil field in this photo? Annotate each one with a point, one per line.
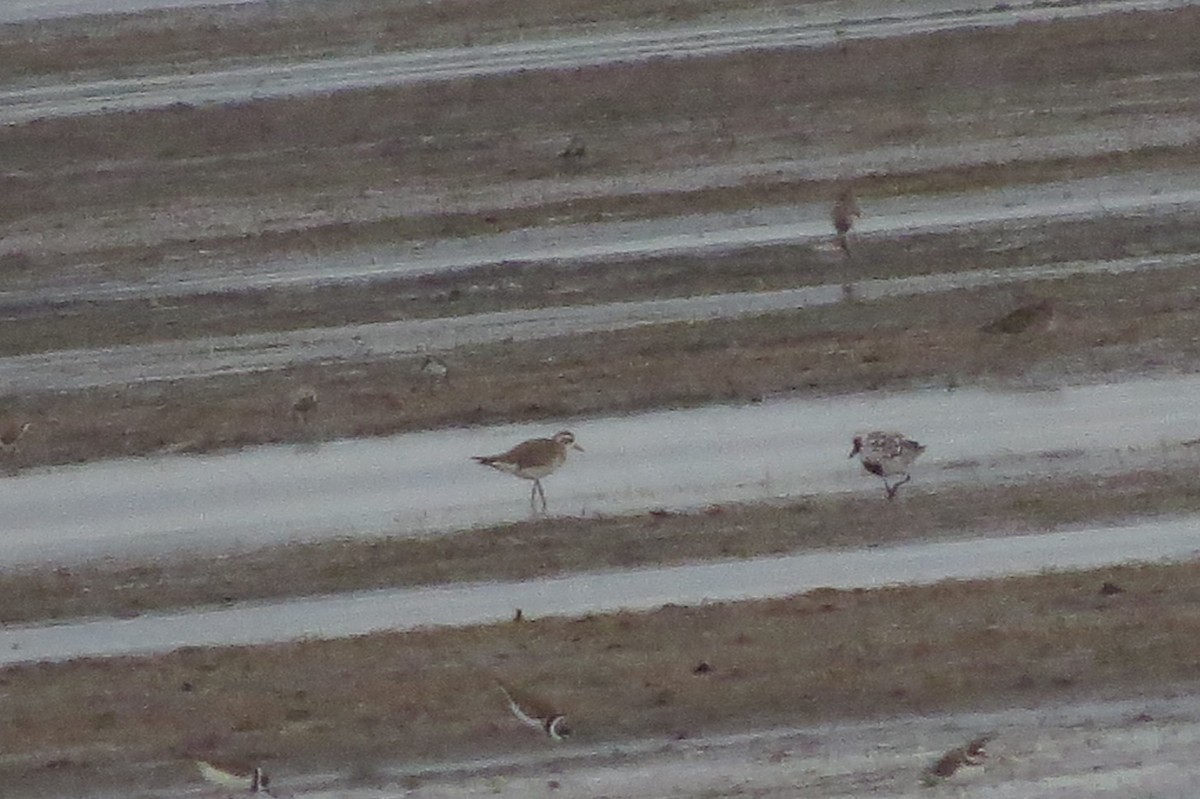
(352, 707)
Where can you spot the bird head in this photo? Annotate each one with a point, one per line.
(975, 749)
(558, 729)
(566, 438)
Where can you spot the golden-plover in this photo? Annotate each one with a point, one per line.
(11, 435)
(533, 460)
(970, 754)
(536, 712)
(887, 455)
(245, 779)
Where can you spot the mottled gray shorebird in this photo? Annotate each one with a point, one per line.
(533, 460)
(435, 370)
(946, 766)
(240, 777)
(536, 712)
(887, 455)
(845, 209)
(1034, 317)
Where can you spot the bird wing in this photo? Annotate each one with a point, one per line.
(882, 444)
(533, 452)
(222, 777)
(528, 708)
(947, 764)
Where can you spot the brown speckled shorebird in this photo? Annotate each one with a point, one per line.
(304, 402)
(11, 435)
(1034, 317)
(536, 712)
(533, 460)
(845, 209)
(887, 455)
(971, 754)
(243, 778)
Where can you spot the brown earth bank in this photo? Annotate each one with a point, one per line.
(529, 550)
(354, 705)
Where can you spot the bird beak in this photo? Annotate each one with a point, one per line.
(576, 446)
(857, 449)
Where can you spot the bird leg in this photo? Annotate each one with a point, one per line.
(843, 243)
(536, 491)
(892, 489)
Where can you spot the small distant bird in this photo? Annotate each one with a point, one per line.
(1037, 317)
(972, 754)
(574, 152)
(845, 209)
(434, 369)
(246, 779)
(533, 460)
(304, 402)
(11, 435)
(887, 455)
(536, 712)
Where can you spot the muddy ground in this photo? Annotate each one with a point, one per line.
(358, 706)
(149, 195)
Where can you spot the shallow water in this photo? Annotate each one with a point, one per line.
(580, 594)
(425, 483)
